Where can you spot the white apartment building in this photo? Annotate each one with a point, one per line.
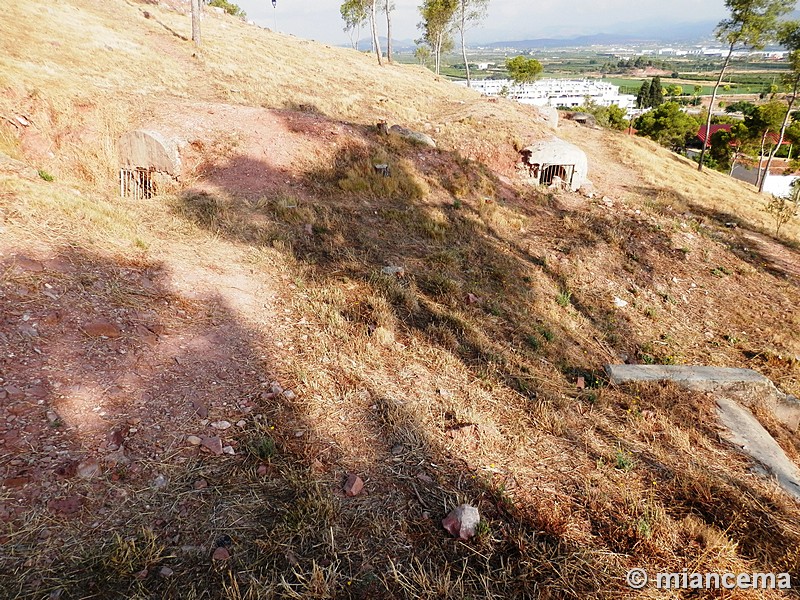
(557, 92)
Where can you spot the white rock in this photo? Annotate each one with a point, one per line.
(619, 302)
(221, 424)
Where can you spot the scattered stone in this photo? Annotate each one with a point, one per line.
(160, 482)
(397, 449)
(102, 328)
(52, 417)
(221, 554)
(115, 439)
(66, 506)
(229, 450)
(221, 424)
(275, 388)
(462, 522)
(166, 572)
(194, 440)
(309, 229)
(200, 409)
(141, 575)
(424, 477)
(88, 469)
(262, 470)
(472, 299)
(393, 270)
(289, 395)
(581, 383)
(416, 136)
(353, 485)
(619, 302)
(200, 484)
(212, 443)
(241, 423)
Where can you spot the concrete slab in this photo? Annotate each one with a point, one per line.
(745, 432)
(747, 386)
(702, 378)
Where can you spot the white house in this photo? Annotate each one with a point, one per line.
(557, 92)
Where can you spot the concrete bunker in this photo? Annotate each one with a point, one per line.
(555, 161)
(147, 159)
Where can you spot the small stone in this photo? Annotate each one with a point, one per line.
(393, 270)
(619, 302)
(309, 228)
(200, 409)
(221, 553)
(241, 423)
(115, 439)
(166, 572)
(142, 574)
(229, 450)
(275, 388)
(200, 484)
(262, 470)
(221, 424)
(88, 469)
(289, 395)
(52, 417)
(102, 328)
(160, 482)
(212, 443)
(193, 440)
(353, 485)
(581, 383)
(462, 522)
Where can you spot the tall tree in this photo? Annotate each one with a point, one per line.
(437, 27)
(766, 119)
(523, 70)
(388, 7)
(373, 18)
(468, 13)
(789, 37)
(750, 25)
(643, 97)
(354, 14)
(656, 92)
(196, 22)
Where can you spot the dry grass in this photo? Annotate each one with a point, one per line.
(454, 382)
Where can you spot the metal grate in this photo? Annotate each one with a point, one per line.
(136, 183)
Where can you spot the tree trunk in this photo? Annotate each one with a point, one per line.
(780, 137)
(388, 31)
(463, 44)
(761, 157)
(196, 22)
(437, 50)
(711, 107)
(375, 43)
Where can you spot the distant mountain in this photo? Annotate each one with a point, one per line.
(397, 45)
(635, 33)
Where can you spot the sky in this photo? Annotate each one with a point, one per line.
(506, 20)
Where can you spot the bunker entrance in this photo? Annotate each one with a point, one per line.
(146, 157)
(564, 172)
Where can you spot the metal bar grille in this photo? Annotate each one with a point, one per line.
(136, 184)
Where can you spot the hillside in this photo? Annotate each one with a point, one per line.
(186, 381)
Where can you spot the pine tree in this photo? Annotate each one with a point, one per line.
(656, 92)
(643, 97)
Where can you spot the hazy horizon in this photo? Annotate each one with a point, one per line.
(506, 20)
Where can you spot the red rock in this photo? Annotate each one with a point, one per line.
(66, 506)
(115, 439)
(221, 554)
(212, 443)
(27, 264)
(262, 470)
(15, 482)
(102, 328)
(581, 383)
(200, 484)
(353, 485)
